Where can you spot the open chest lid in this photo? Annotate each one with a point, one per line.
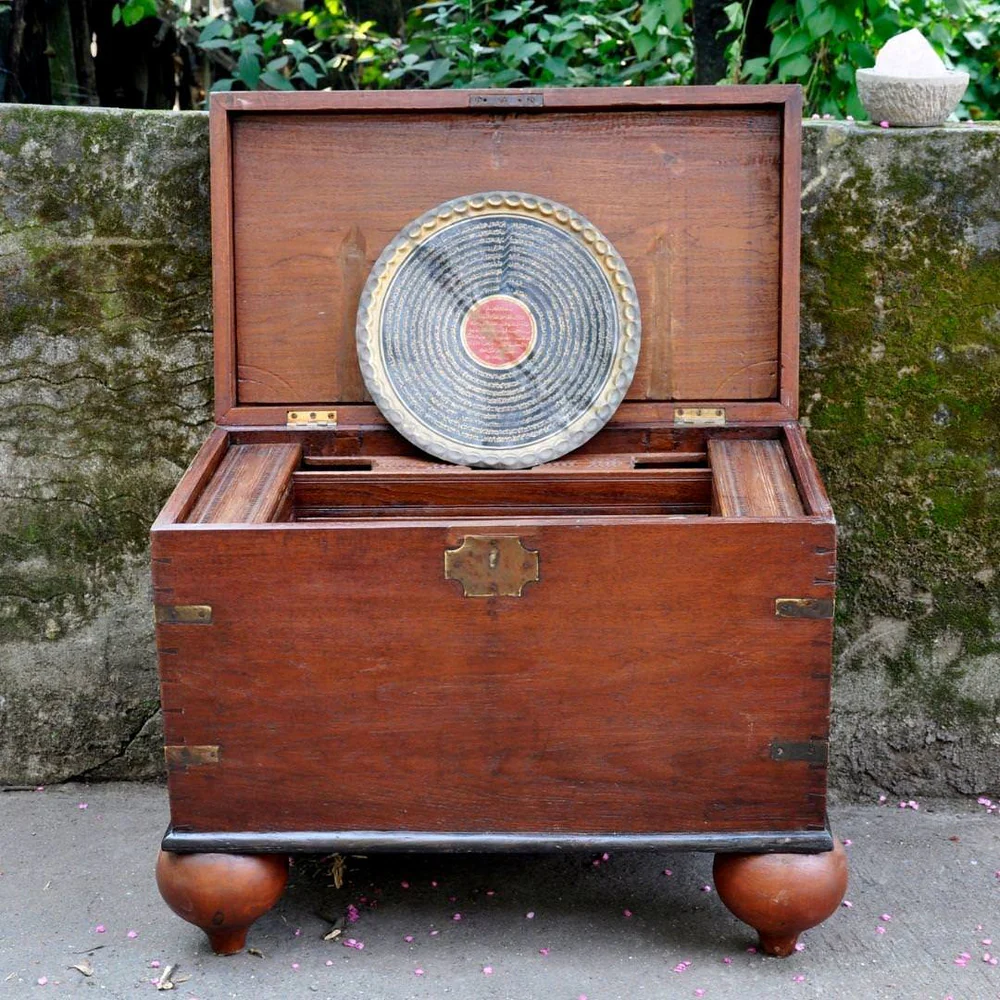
(696, 187)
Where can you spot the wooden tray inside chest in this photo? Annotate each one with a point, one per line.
(725, 474)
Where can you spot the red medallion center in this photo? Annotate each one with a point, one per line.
(499, 331)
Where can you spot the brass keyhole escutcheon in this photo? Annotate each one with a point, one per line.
(491, 565)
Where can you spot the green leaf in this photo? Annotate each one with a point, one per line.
(134, 11)
(248, 69)
(860, 55)
(216, 43)
(116, 13)
(643, 44)
(216, 28)
(275, 80)
(438, 70)
(225, 84)
(796, 66)
(734, 14)
(821, 23)
(244, 9)
(307, 73)
(280, 63)
(756, 69)
(783, 45)
(976, 38)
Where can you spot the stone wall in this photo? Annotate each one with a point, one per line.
(105, 390)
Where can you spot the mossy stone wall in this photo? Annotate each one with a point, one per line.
(901, 395)
(105, 392)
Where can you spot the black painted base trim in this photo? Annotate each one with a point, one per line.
(360, 841)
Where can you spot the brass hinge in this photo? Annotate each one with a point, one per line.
(711, 416)
(813, 751)
(311, 418)
(180, 758)
(182, 614)
(803, 607)
(506, 100)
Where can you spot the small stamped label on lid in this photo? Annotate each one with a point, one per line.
(499, 331)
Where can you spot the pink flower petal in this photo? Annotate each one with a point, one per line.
(298, 932)
(435, 933)
(404, 885)
(132, 935)
(727, 961)
(408, 938)
(799, 946)
(881, 798)
(418, 972)
(100, 928)
(751, 950)
(847, 903)
(626, 913)
(706, 888)
(490, 892)
(667, 871)
(886, 917)
(883, 124)
(329, 961)
(295, 966)
(699, 993)
(847, 842)
(543, 951)
(530, 915)
(987, 941)
(43, 980)
(880, 929)
(456, 916)
(82, 805)
(798, 979)
(487, 970)
(434, 885)
(154, 964)
(605, 856)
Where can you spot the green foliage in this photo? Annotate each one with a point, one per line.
(819, 44)
(132, 11)
(465, 43)
(321, 47)
(514, 43)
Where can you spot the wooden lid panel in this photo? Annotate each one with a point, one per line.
(691, 196)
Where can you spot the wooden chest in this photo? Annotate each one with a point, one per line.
(629, 646)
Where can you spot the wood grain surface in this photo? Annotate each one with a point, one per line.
(249, 484)
(695, 191)
(635, 688)
(752, 479)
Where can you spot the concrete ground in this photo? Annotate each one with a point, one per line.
(65, 870)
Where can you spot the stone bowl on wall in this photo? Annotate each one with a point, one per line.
(910, 100)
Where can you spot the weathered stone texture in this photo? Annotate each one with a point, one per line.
(105, 389)
(105, 393)
(901, 390)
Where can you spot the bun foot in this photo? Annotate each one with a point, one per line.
(781, 895)
(223, 894)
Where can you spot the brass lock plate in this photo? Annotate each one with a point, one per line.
(491, 565)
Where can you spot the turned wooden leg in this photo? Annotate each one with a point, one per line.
(782, 895)
(223, 894)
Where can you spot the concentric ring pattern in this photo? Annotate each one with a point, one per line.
(498, 330)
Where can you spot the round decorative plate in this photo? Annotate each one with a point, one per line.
(498, 330)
